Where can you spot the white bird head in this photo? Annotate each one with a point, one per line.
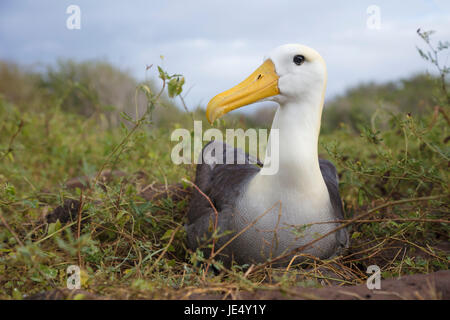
(290, 73)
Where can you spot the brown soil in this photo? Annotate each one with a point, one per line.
(420, 286)
(413, 287)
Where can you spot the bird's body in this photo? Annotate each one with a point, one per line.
(268, 215)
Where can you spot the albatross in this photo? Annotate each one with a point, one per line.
(255, 217)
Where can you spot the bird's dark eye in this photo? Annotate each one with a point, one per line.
(299, 59)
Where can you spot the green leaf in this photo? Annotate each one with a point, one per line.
(49, 272)
(162, 74)
(361, 197)
(16, 294)
(167, 234)
(175, 86)
(126, 116)
(356, 235)
(53, 227)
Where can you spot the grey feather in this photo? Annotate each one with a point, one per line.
(331, 179)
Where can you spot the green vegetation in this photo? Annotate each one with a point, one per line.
(388, 141)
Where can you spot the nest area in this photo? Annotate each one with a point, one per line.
(139, 237)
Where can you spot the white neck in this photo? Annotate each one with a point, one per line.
(298, 138)
(299, 177)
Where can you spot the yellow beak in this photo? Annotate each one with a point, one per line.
(262, 83)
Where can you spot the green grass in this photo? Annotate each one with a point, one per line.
(395, 159)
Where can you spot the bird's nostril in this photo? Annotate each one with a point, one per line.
(259, 76)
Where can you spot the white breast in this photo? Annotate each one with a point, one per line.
(278, 222)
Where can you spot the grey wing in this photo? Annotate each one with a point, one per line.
(331, 179)
(223, 184)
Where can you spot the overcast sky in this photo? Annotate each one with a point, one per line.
(216, 44)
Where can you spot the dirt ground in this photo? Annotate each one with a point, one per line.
(434, 286)
(414, 287)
